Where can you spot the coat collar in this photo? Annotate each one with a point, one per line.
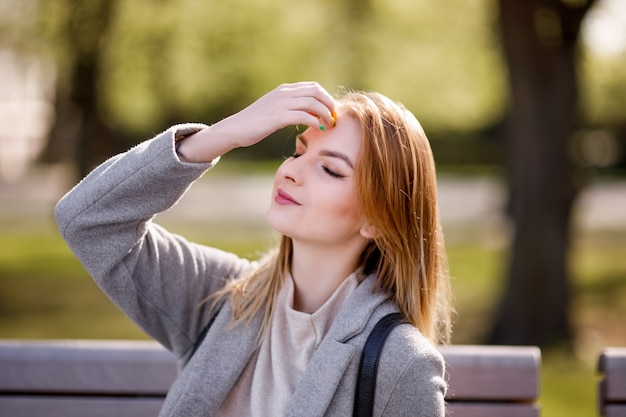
(223, 356)
(214, 368)
(357, 310)
(333, 356)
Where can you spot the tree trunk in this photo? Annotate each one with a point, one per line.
(78, 133)
(540, 40)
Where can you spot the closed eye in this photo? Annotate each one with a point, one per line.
(332, 173)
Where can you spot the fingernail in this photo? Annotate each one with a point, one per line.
(322, 127)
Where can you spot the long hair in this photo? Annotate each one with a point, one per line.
(397, 193)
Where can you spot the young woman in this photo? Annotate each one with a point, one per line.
(356, 208)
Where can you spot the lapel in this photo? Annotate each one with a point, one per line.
(216, 365)
(317, 387)
(331, 359)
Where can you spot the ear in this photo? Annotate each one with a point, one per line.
(367, 231)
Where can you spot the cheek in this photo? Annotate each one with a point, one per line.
(344, 209)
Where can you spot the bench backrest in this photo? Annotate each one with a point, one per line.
(108, 378)
(612, 388)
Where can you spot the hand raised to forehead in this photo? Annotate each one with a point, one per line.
(304, 103)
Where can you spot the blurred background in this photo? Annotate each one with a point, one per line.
(524, 102)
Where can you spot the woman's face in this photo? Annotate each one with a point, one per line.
(314, 193)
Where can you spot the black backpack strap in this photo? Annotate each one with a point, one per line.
(366, 379)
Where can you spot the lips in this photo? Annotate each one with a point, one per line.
(283, 198)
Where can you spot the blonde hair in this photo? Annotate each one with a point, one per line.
(397, 192)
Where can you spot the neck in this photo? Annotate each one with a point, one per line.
(317, 272)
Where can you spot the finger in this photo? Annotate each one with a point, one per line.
(309, 119)
(318, 109)
(323, 96)
(329, 116)
(313, 89)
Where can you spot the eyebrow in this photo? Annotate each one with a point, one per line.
(327, 152)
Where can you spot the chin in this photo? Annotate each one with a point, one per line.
(273, 219)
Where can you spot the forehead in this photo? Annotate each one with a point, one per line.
(344, 137)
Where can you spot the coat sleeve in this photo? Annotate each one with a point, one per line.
(411, 380)
(156, 278)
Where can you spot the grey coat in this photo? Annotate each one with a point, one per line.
(159, 280)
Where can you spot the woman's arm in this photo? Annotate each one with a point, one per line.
(157, 278)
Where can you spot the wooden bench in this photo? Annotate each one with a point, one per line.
(110, 378)
(612, 388)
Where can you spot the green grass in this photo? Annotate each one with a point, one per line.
(475, 271)
(46, 293)
(568, 380)
(568, 385)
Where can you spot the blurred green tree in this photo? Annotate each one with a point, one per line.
(171, 61)
(357, 21)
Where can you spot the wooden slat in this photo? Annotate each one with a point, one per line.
(476, 372)
(615, 410)
(506, 373)
(43, 406)
(100, 367)
(614, 358)
(460, 409)
(612, 363)
(484, 380)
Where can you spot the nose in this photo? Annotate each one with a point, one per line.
(290, 170)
